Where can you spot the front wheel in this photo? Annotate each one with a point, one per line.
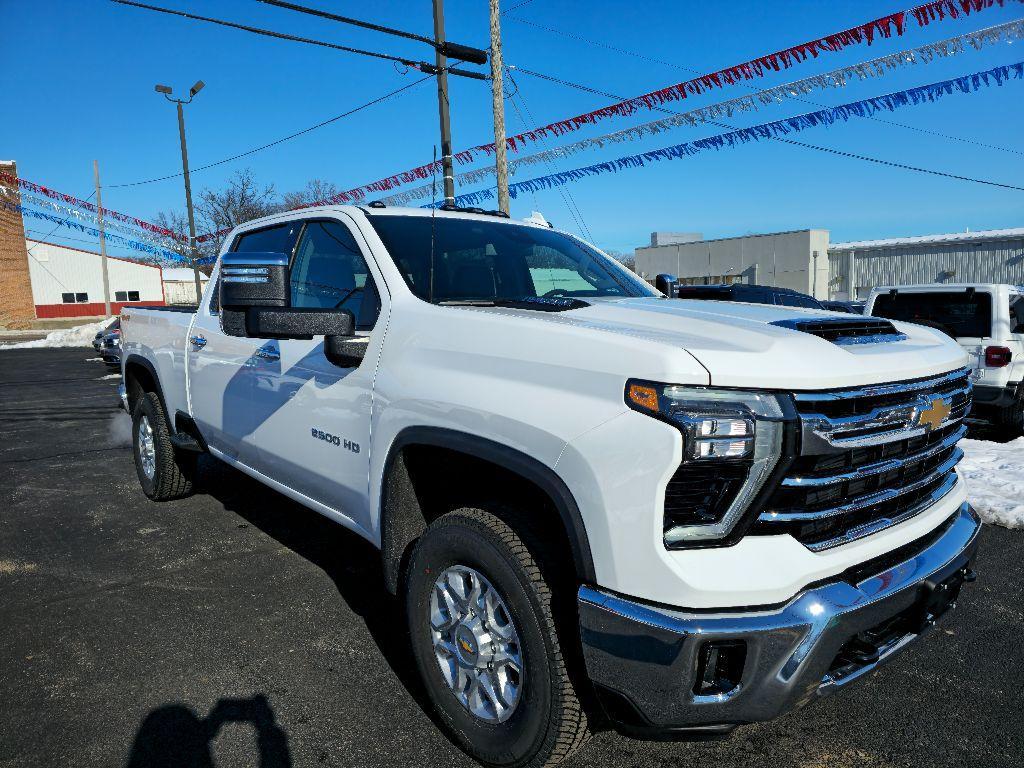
(479, 607)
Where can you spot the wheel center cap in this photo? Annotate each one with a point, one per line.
(467, 645)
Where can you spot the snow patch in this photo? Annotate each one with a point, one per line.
(79, 336)
(994, 474)
(109, 376)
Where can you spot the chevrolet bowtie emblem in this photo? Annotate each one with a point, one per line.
(931, 416)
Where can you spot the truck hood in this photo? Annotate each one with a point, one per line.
(740, 347)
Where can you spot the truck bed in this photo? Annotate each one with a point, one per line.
(159, 335)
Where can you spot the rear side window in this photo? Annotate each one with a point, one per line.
(276, 239)
(955, 314)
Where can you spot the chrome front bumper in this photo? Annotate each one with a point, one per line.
(645, 659)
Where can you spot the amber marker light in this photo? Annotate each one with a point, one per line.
(644, 396)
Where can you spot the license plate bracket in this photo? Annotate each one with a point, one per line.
(938, 597)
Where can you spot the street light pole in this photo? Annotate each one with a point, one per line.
(166, 91)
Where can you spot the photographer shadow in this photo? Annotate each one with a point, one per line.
(174, 736)
(351, 562)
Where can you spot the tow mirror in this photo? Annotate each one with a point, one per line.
(666, 284)
(249, 279)
(255, 298)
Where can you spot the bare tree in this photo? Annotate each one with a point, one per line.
(316, 191)
(242, 200)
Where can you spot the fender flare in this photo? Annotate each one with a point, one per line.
(395, 538)
(142, 362)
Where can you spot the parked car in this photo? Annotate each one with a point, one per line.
(755, 294)
(850, 307)
(113, 327)
(987, 320)
(595, 502)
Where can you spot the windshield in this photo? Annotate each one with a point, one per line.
(482, 262)
(957, 314)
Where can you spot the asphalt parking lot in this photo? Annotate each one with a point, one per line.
(236, 628)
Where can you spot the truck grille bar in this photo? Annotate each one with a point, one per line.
(870, 458)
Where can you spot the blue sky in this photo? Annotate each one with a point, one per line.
(79, 75)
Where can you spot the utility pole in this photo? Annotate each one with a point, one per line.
(441, 60)
(498, 104)
(103, 239)
(166, 91)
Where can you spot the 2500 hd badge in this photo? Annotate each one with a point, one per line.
(327, 437)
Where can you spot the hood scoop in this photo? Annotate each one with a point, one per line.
(846, 332)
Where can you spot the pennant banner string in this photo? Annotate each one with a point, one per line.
(76, 202)
(108, 224)
(134, 245)
(778, 129)
(885, 26)
(864, 108)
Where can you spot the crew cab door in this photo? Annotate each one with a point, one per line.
(313, 433)
(221, 367)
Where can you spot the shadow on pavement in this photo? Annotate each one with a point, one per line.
(174, 736)
(352, 563)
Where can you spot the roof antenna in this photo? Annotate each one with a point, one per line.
(433, 217)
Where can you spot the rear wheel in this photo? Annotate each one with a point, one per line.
(164, 473)
(485, 638)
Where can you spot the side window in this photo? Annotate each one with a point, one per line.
(329, 272)
(277, 239)
(1017, 314)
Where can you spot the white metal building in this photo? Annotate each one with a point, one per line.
(68, 282)
(986, 256)
(180, 285)
(796, 260)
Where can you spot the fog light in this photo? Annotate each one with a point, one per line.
(720, 667)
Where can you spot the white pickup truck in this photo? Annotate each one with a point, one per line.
(987, 320)
(600, 506)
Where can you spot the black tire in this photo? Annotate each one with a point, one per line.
(548, 724)
(1010, 420)
(173, 470)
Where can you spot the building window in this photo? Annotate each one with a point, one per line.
(133, 295)
(120, 295)
(67, 298)
(81, 298)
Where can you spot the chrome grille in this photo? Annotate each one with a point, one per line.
(869, 458)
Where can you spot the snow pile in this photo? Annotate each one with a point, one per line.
(79, 336)
(994, 473)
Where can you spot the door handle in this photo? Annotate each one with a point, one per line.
(197, 341)
(267, 354)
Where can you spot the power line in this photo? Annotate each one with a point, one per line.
(852, 155)
(748, 86)
(271, 33)
(283, 139)
(567, 197)
(446, 47)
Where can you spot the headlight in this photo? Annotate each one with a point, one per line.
(732, 440)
